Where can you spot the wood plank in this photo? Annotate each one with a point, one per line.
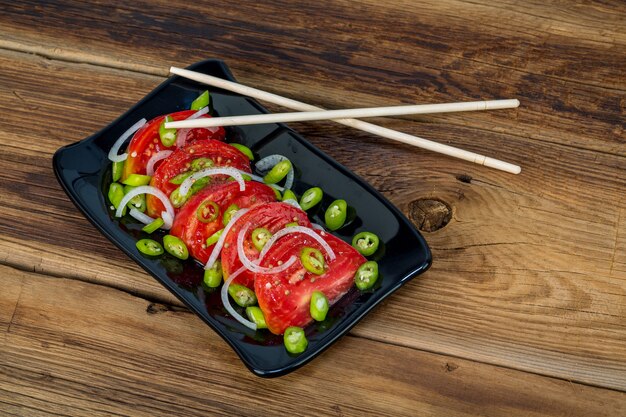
(76, 348)
(540, 250)
(566, 66)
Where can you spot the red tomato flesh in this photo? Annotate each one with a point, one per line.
(285, 297)
(146, 142)
(194, 232)
(273, 217)
(222, 155)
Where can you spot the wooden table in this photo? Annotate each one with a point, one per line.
(524, 309)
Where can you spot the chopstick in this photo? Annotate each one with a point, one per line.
(344, 114)
(357, 124)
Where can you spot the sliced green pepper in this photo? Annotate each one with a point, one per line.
(292, 224)
(366, 275)
(336, 213)
(311, 197)
(278, 172)
(289, 195)
(319, 306)
(255, 315)
(366, 243)
(201, 163)
(149, 247)
(116, 170)
(153, 226)
(295, 340)
(260, 237)
(208, 211)
(138, 202)
(137, 179)
(177, 180)
(312, 260)
(212, 240)
(279, 197)
(199, 184)
(201, 102)
(116, 194)
(167, 136)
(175, 247)
(213, 275)
(228, 213)
(243, 296)
(177, 199)
(244, 150)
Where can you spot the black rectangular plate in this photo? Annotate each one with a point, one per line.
(84, 172)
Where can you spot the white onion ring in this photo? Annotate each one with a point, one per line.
(297, 229)
(142, 217)
(186, 185)
(113, 156)
(253, 267)
(318, 227)
(241, 319)
(267, 163)
(147, 189)
(181, 134)
(220, 242)
(260, 179)
(154, 159)
(292, 202)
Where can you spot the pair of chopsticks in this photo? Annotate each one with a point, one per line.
(347, 117)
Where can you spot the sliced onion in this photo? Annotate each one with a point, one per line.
(226, 300)
(267, 163)
(113, 156)
(220, 242)
(181, 134)
(318, 227)
(154, 159)
(147, 189)
(260, 179)
(142, 217)
(297, 229)
(186, 185)
(292, 202)
(254, 267)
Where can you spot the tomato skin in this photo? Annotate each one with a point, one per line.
(222, 154)
(194, 233)
(285, 297)
(146, 142)
(273, 217)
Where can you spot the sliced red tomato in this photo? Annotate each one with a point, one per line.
(222, 155)
(285, 297)
(273, 217)
(212, 201)
(146, 141)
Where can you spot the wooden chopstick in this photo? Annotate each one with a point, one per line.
(344, 114)
(357, 124)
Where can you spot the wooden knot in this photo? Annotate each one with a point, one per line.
(429, 215)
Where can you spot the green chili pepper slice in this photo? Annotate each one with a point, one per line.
(243, 296)
(278, 172)
(137, 179)
(116, 170)
(213, 276)
(138, 202)
(177, 199)
(295, 340)
(153, 226)
(260, 237)
(167, 136)
(279, 197)
(244, 150)
(201, 102)
(366, 243)
(149, 247)
(177, 180)
(212, 240)
(199, 184)
(228, 213)
(311, 197)
(312, 260)
(289, 195)
(255, 315)
(208, 211)
(292, 224)
(175, 247)
(116, 194)
(319, 306)
(335, 215)
(201, 163)
(366, 275)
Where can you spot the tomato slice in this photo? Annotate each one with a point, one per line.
(194, 232)
(146, 141)
(273, 217)
(285, 297)
(222, 155)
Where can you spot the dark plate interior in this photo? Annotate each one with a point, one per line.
(84, 172)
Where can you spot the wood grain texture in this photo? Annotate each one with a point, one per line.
(77, 348)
